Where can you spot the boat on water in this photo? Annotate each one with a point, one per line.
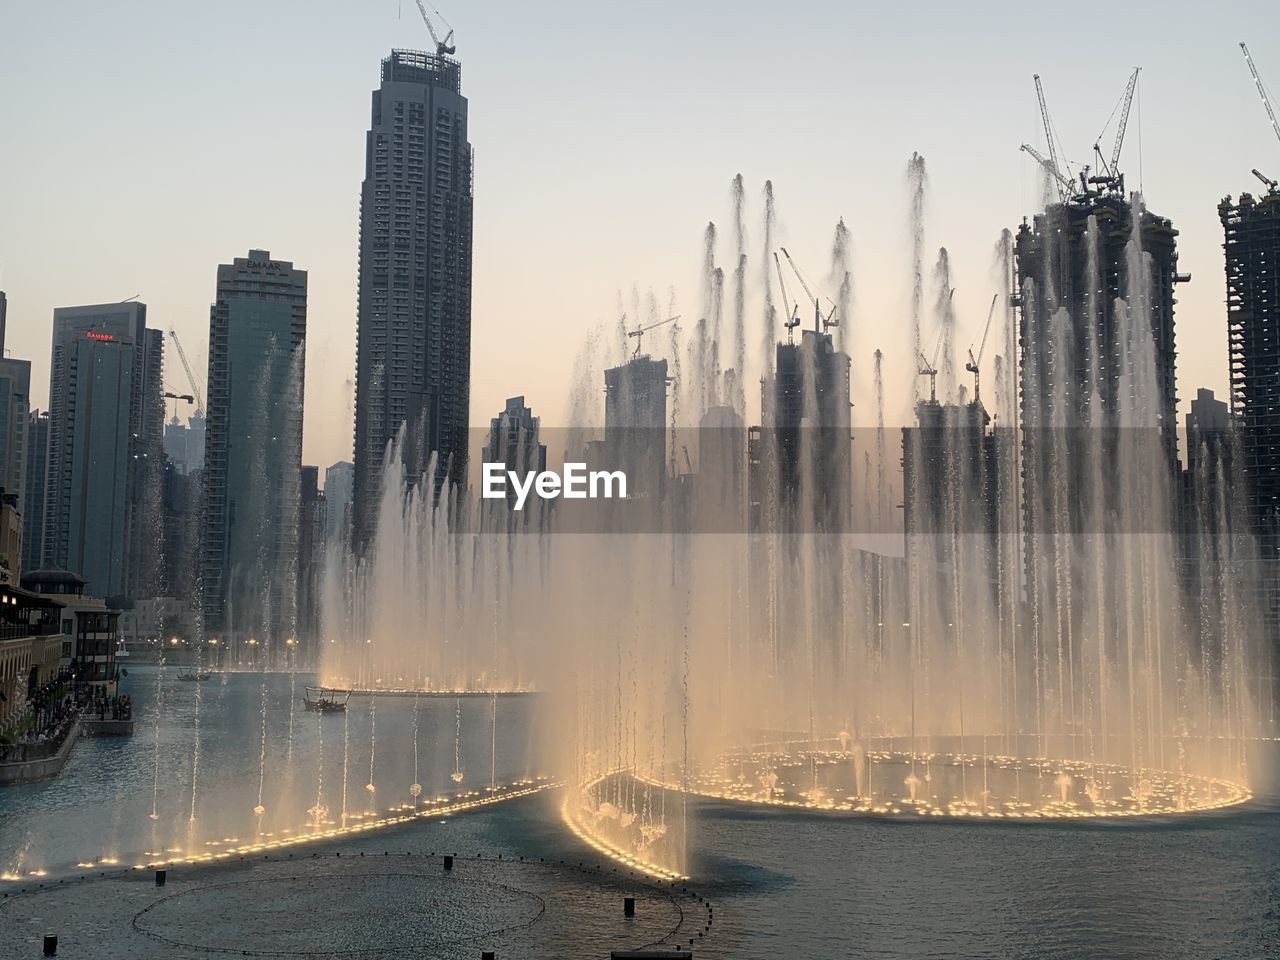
(196, 677)
(325, 699)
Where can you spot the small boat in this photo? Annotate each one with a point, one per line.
(326, 700)
(198, 677)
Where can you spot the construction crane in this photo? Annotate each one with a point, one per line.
(175, 397)
(1063, 185)
(1266, 105)
(793, 316)
(929, 370)
(196, 390)
(974, 362)
(1262, 90)
(443, 47)
(1112, 169)
(821, 324)
(640, 331)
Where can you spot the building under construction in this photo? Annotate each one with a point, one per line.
(1251, 241)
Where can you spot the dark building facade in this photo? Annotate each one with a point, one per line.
(102, 401)
(1251, 243)
(1073, 265)
(311, 554)
(413, 346)
(34, 492)
(253, 454)
(807, 428)
(635, 425)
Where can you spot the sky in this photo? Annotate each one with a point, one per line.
(143, 142)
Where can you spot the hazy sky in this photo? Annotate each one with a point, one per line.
(144, 142)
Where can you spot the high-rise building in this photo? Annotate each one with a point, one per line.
(311, 553)
(513, 440)
(4, 311)
(102, 397)
(1073, 265)
(1095, 277)
(37, 457)
(339, 484)
(15, 393)
(807, 416)
(144, 567)
(15, 399)
(184, 442)
(253, 454)
(1251, 231)
(413, 345)
(635, 425)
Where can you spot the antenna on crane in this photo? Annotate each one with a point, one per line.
(443, 47)
(975, 362)
(821, 324)
(793, 316)
(196, 390)
(640, 331)
(1266, 105)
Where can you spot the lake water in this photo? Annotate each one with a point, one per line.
(782, 884)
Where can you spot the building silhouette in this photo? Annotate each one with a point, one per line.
(413, 345)
(253, 455)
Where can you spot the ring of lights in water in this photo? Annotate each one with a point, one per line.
(401, 911)
(885, 782)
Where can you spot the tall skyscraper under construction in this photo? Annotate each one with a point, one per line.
(1095, 301)
(414, 317)
(1251, 235)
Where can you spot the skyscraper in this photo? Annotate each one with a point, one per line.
(1096, 277)
(513, 442)
(311, 549)
(339, 480)
(635, 425)
(37, 458)
(253, 453)
(807, 409)
(1251, 233)
(15, 399)
(184, 442)
(413, 345)
(97, 385)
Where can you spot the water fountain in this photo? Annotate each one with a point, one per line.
(811, 670)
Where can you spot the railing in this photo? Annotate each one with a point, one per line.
(20, 631)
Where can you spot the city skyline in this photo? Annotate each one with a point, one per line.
(882, 73)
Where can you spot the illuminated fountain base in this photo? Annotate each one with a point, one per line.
(893, 783)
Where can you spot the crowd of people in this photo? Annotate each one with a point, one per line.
(55, 709)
